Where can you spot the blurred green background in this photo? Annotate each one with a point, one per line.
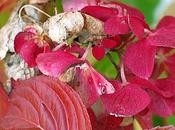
(153, 10)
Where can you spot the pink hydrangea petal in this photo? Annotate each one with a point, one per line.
(55, 63)
(137, 26)
(102, 13)
(20, 39)
(163, 37)
(75, 48)
(98, 52)
(139, 58)
(169, 63)
(109, 43)
(116, 25)
(128, 101)
(167, 86)
(124, 9)
(29, 52)
(91, 84)
(146, 84)
(159, 106)
(166, 21)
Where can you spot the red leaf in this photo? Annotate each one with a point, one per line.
(91, 84)
(163, 37)
(128, 101)
(55, 63)
(139, 58)
(3, 102)
(116, 25)
(46, 104)
(163, 128)
(102, 13)
(98, 52)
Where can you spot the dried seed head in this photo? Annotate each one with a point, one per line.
(38, 1)
(93, 25)
(60, 27)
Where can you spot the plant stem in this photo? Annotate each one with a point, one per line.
(112, 61)
(59, 6)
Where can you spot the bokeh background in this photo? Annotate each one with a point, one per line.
(154, 10)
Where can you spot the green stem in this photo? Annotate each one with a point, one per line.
(59, 6)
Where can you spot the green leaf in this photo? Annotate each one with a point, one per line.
(106, 68)
(4, 17)
(171, 120)
(157, 121)
(59, 5)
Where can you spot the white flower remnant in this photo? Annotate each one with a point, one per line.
(62, 26)
(9, 31)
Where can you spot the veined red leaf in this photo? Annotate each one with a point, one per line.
(164, 128)
(128, 101)
(139, 58)
(90, 84)
(46, 104)
(163, 37)
(3, 102)
(55, 63)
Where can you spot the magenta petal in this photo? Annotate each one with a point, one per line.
(128, 101)
(20, 39)
(55, 63)
(169, 63)
(137, 26)
(98, 52)
(109, 43)
(159, 106)
(139, 58)
(146, 84)
(123, 9)
(116, 25)
(163, 37)
(102, 13)
(29, 52)
(91, 84)
(166, 21)
(167, 86)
